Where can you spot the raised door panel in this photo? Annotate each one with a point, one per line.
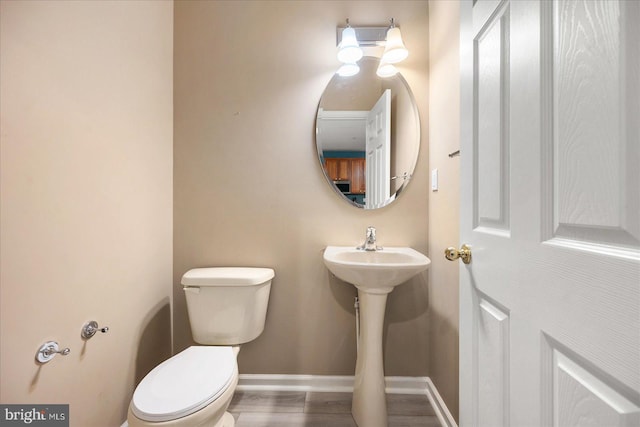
(492, 357)
(491, 121)
(578, 393)
(595, 147)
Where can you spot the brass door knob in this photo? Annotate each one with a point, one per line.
(464, 254)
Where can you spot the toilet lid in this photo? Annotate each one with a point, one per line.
(184, 384)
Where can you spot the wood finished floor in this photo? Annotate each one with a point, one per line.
(314, 409)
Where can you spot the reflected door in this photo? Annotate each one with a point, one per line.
(378, 152)
(550, 303)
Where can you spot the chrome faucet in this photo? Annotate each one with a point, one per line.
(370, 241)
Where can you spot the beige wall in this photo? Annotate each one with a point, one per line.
(86, 199)
(249, 189)
(444, 113)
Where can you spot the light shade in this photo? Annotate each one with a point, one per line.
(394, 50)
(349, 51)
(386, 70)
(348, 70)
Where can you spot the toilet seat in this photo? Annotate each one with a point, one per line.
(184, 384)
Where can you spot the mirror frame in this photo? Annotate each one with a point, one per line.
(416, 116)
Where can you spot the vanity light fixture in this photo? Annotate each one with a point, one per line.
(386, 70)
(349, 51)
(348, 70)
(384, 42)
(394, 50)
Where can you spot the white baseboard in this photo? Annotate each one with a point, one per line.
(440, 408)
(344, 383)
(326, 383)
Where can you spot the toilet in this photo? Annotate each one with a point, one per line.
(227, 307)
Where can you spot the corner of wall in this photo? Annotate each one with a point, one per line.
(444, 203)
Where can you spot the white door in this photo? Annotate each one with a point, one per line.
(550, 303)
(378, 149)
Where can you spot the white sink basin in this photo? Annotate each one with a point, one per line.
(375, 271)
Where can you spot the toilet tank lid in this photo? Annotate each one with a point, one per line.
(227, 276)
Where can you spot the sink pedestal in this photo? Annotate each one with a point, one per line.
(375, 274)
(369, 406)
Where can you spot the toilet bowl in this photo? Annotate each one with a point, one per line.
(227, 307)
(193, 388)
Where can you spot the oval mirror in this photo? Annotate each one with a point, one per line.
(368, 136)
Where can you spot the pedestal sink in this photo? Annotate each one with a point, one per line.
(375, 274)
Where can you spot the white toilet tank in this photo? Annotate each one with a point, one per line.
(227, 305)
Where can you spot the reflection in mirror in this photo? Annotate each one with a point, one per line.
(368, 136)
